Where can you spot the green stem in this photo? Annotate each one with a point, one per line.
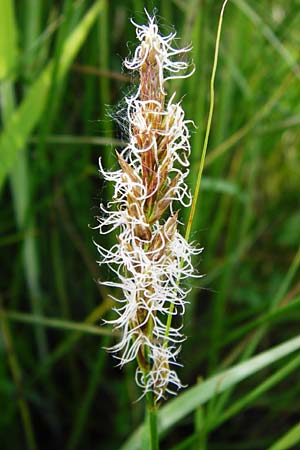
(205, 144)
(208, 126)
(152, 442)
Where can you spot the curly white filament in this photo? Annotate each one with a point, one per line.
(150, 255)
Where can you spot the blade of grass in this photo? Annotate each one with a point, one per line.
(288, 440)
(79, 330)
(204, 149)
(224, 186)
(21, 185)
(257, 117)
(269, 317)
(200, 426)
(32, 30)
(192, 398)
(187, 443)
(249, 398)
(24, 119)
(19, 179)
(208, 127)
(280, 294)
(224, 116)
(288, 122)
(69, 14)
(286, 282)
(150, 436)
(283, 51)
(237, 253)
(8, 38)
(219, 304)
(69, 342)
(257, 337)
(60, 324)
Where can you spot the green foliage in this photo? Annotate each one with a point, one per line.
(60, 66)
(8, 39)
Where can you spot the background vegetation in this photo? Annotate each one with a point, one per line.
(60, 66)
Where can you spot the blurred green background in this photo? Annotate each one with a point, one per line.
(61, 79)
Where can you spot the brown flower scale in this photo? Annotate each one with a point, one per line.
(150, 255)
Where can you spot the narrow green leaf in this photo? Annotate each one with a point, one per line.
(283, 51)
(291, 438)
(55, 323)
(258, 391)
(8, 38)
(192, 398)
(25, 118)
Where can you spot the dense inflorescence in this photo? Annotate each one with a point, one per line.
(150, 256)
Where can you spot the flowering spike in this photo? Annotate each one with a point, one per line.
(151, 256)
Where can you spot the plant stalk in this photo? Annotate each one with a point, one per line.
(203, 154)
(152, 441)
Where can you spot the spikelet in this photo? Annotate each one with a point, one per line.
(150, 256)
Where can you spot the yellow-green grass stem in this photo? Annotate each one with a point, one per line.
(203, 155)
(151, 438)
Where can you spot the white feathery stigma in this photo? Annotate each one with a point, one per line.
(150, 256)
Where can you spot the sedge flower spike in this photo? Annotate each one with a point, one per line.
(150, 256)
